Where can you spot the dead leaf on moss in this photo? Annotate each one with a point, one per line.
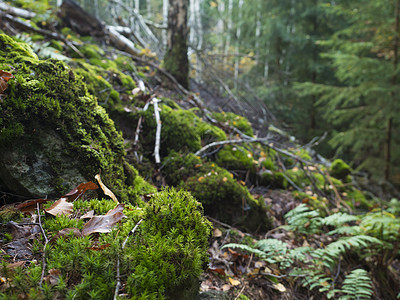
(99, 248)
(280, 287)
(30, 206)
(103, 224)
(80, 190)
(217, 232)
(4, 78)
(60, 207)
(66, 232)
(106, 189)
(88, 215)
(54, 277)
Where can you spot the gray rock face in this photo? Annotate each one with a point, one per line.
(31, 168)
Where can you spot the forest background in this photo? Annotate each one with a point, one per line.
(314, 68)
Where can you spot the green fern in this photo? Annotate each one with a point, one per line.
(382, 225)
(357, 285)
(242, 247)
(303, 220)
(338, 219)
(330, 255)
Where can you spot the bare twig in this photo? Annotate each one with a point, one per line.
(44, 247)
(118, 286)
(241, 291)
(241, 141)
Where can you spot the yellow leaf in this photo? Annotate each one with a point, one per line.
(234, 282)
(213, 4)
(105, 189)
(200, 179)
(217, 232)
(224, 179)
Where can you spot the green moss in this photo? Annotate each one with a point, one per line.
(161, 260)
(236, 121)
(226, 199)
(178, 167)
(356, 199)
(47, 102)
(340, 169)
(236, 158)
(181, 130)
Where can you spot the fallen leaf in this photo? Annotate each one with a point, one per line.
(136, 91)
(217, 232)
(217, 270)
(234, 282)
(30, 206)
(66, 232)
(18, 231)
(88, 215)
(99, 248)
(60, 207)
(4, 78)
(103, 224)
(226, 287)
(15, 265)
(80, 190)
(54, 277)
(280, 287)
(105, 189)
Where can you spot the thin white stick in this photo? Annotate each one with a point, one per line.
(158, 131)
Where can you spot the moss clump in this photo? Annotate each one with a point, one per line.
(50, 122)
(226, 199)
(179, 167)
(236, 158)
(181, 129)
(161, 260)
(236, 121)
(340, 169)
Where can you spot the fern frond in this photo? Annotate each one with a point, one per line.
(245, 248)
(357, 285)
(330, 255)
(304, 220)
(382, 225)
(347, 230)
(338, 219)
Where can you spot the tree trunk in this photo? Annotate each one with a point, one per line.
(176, 59)
(394, 81)
(238, 34)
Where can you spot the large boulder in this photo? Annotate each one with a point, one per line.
(53, 134)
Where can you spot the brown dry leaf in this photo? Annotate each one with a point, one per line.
(234, 282)
(104, 223)
(217, 270)
(4, 77)
(15, 265)
(88, 215)
(226, 287)
(105, 189)
(217, 232)
(66, 232)
(99, 248)
(30, 206)
(54, 277)
(60, 207)
(80, 190)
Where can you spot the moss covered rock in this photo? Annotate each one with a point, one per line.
(339, 169)
(53, 134)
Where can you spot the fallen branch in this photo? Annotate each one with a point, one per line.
(158, 131)
(242, 141)
(118, 286)
(44, 247)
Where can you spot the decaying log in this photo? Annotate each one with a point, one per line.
(79, 20)
(120, 41)
(15, 11)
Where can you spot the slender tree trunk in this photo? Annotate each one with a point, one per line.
(394, 81)
(229, 30)
(258, 32)
(176, 59)
(165, 23)
(148, 7)
(313, 122)
(238, 34)
(220, 25)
